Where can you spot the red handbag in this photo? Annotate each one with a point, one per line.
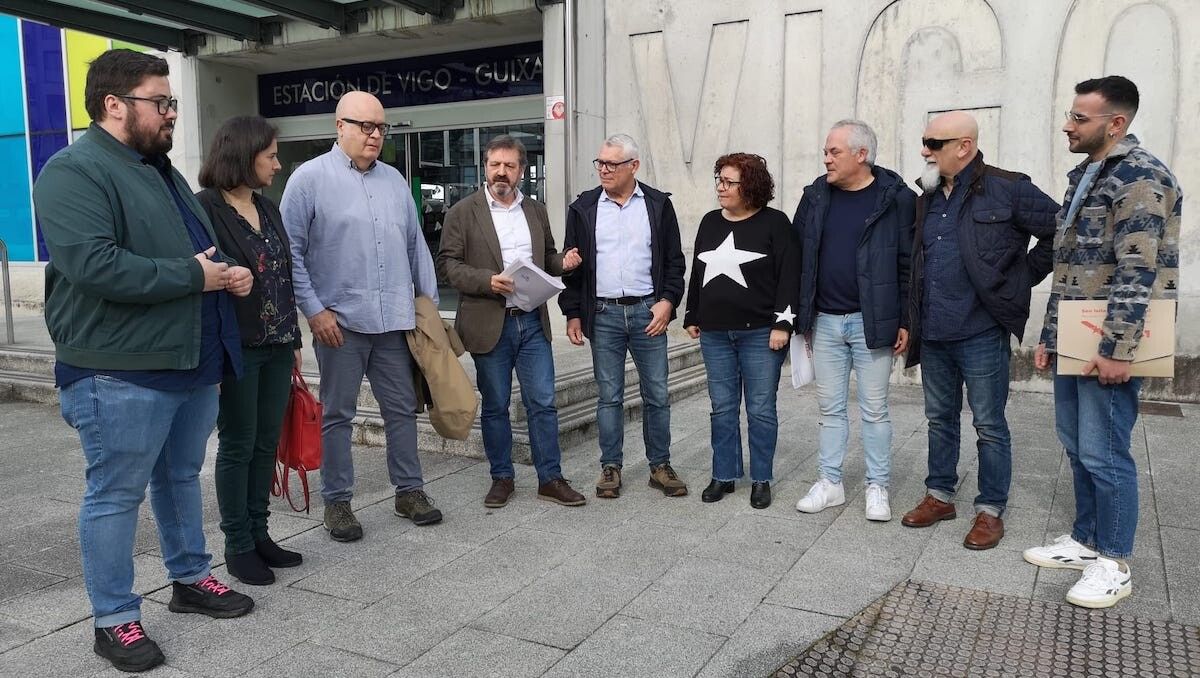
(299, 440)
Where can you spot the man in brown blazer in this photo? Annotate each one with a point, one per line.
(482, 235)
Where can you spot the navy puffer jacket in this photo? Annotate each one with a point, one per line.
(882, 260)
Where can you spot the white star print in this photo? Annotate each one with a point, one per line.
(727, 260)
(786, 316)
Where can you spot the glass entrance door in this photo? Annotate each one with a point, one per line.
(441, 166)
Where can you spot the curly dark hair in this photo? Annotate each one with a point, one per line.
(757, 187)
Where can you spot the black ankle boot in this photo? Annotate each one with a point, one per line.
(716, 491)
(275, 555)
(760, 495)
(249, 568)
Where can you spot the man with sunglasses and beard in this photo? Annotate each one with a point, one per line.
(972, 272)
(483, 235)
(358, 260)
(144, 331)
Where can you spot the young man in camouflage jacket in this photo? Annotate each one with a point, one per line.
(1117, 240)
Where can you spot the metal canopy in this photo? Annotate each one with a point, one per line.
(183, 25)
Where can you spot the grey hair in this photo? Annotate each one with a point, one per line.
(629, 147)
(861, 136)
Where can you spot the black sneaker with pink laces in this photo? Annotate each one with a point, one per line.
(209, 596)
(128, 647)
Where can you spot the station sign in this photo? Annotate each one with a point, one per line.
(507, 71)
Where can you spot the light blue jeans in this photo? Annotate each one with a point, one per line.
(839, 346)
(133, 436)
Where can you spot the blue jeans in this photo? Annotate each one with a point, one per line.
(839, 345)
(981, 363)
(1094, 423)
(742, 362)
(133, 436)
(617, 329)
(387, 363)
(522, 346)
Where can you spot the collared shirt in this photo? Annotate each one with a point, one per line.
(217, 355)
(623, 254)
(952, 309)
(357, 246)
(512, 230)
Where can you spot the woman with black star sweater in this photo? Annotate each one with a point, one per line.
(744, 284)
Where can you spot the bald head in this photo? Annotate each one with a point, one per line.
(356, 104)
(953, 124)
(360, 107)
(949, 144)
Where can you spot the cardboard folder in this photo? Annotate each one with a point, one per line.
(1079, 335)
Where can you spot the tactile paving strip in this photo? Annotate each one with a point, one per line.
(927, 629)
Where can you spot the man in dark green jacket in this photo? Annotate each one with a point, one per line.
(144, 330)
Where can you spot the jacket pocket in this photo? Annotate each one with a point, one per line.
(995, 215)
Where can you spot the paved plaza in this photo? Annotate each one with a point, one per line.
(638, 586)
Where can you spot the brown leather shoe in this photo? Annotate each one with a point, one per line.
(559, 491)
(928, 512)
(502, 489)
(985, 533)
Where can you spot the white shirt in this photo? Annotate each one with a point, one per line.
(511, 229)
(623, 254)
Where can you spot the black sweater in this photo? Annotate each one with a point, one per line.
(762, 251)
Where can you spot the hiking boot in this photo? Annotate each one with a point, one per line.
(498, 496)
(662, 477)
(128, 647)
(609, 484)
(341, 523)
(560, 491)
(209, 596)
(249, 568)
(417, 507)
(275, 555)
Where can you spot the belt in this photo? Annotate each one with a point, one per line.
(623, 301)
(514, 311)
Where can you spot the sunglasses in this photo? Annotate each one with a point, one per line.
(936, 144)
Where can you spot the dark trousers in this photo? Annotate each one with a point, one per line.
(248, 427)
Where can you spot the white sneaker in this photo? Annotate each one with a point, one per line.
(1102, 585)
(877, 503)
(1064, 552)
(821, 496)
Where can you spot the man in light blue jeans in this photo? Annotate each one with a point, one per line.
(855, 225)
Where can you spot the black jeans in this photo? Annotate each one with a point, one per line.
(248, 433)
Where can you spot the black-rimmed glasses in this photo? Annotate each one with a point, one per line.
(725, 183)
(368, 128)
(606, 166)
(936, 144)
(163, 104)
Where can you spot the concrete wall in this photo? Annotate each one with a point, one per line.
(693, 80)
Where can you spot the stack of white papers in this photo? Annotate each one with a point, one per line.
(532, 286)
(802, 361)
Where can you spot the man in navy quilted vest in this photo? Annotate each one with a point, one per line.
(971, 277)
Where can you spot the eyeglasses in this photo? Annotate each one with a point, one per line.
(163, 104)
(936, 144)
(1079, 118)
(368, 128)
(606, 166)
(725, 183)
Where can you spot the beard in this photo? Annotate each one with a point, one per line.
(148, 143)
(931, 176)
(500, 187)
